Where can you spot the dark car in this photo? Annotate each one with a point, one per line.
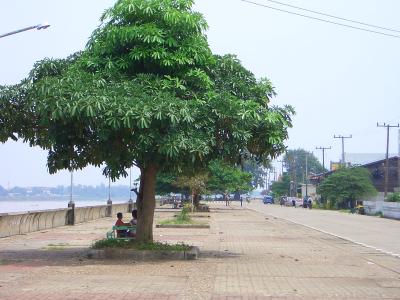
(268, 200)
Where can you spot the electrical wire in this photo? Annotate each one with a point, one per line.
(332, 16)
(319, 19)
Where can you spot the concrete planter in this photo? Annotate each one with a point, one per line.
(143, 255)
(183, 226)
(197, 216)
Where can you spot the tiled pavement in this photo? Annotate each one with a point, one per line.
(244, 255)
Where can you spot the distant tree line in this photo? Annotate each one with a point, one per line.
(99, 191)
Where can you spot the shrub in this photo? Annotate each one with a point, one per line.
(182, 218)
(393, 197)
(184, 214)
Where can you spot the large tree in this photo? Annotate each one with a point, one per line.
(345, 186)
(146, 91)
(295, 162)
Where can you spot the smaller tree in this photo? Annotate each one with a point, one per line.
(281, 187)
(219, 177)
(225, 178)
(196, 184)
(393, 197)
(345, 186)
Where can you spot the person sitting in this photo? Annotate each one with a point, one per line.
(121, 233)
(134, 217)
(133, 222)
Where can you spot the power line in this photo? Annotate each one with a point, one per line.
(332, 16)
(321, 20)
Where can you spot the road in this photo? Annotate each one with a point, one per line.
(373, 232)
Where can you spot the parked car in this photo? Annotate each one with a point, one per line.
(268, 200)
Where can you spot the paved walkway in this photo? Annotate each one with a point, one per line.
(245, 255)
(377, 233)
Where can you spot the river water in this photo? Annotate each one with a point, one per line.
(11, 204)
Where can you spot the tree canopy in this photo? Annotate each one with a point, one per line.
(345, 186)
(226, 178)
(219, 177)
(295, 162)
(146, 91)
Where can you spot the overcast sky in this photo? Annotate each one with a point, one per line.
(340, 80)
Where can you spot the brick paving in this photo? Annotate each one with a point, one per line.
(244, 255)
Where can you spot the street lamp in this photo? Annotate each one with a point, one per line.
(38, 27)
(130, 183)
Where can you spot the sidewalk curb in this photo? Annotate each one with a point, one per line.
(143, 255)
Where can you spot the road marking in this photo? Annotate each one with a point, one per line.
(347, 239)
(397, 255)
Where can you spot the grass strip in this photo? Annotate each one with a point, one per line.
(132, 244)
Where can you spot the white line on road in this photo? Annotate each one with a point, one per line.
(347, 239)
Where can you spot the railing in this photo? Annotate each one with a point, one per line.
(30, 221)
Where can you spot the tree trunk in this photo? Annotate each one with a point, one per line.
(196, 200)
(146, 204)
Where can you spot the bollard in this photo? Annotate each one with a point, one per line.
(130, 205)
(71, 213)
(109, 208)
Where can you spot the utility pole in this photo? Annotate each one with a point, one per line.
(342, 137)
(398, 162)
(306, 176)
(388, 126)
(323, 155)
(294, 178)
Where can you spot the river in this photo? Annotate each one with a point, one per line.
(20, 204)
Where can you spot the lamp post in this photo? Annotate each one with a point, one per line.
(72, 184)
(37, 27)
(109, 188)
(130, 183)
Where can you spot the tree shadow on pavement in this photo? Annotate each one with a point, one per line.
(79, 256)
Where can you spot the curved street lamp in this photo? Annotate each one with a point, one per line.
(38, 27)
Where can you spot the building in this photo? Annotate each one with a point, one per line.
(377, 169)
(364, 158)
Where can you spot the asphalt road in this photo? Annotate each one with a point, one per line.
(374, 232)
